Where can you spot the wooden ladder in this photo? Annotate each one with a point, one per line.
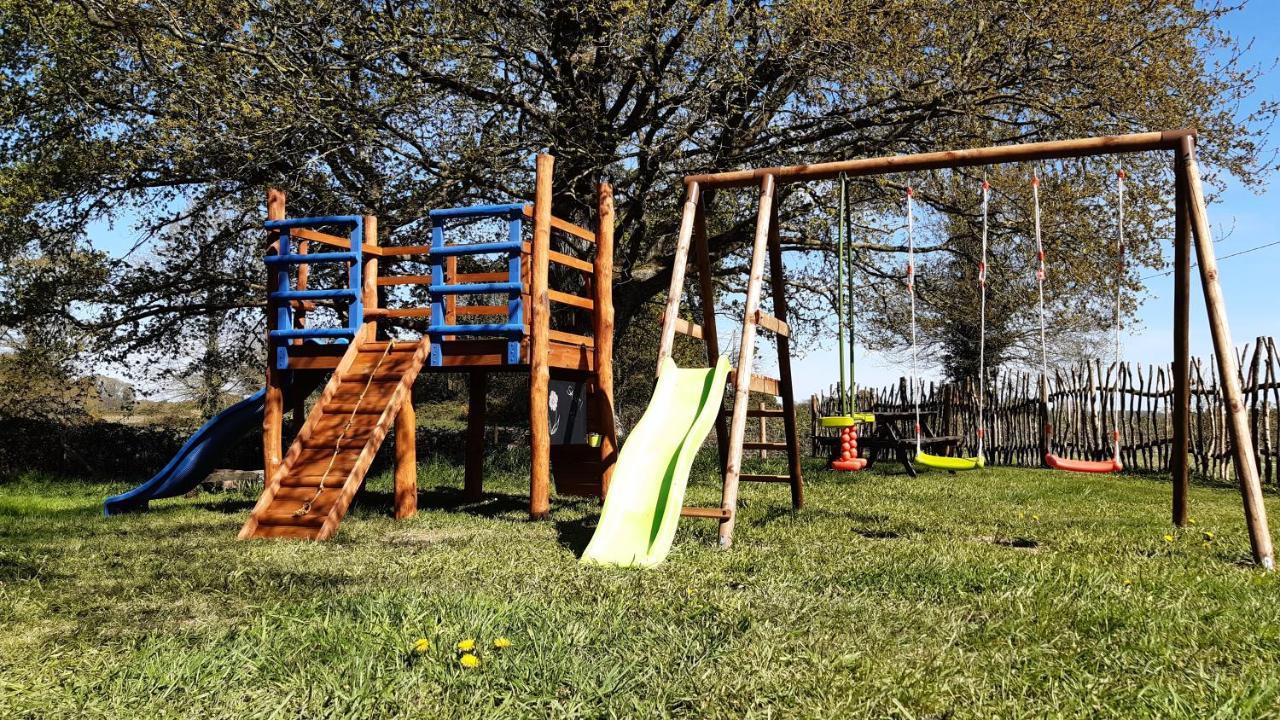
(731, 439)
(362, 397)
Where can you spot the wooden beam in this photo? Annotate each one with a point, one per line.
(406, 472)
(746, 358)
(684, 327)
(565, 298)
(473, 473)
(1051, 150)
(772, 324)
(758, 384)
(1181, 399)
(404, 250)
(404, 280)
(678, 263)
(602, 328)
(539, 345)
(273, 400)
(1255, 512)
(707, 298)
(369, 275)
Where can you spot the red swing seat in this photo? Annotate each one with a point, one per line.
(1083, 466)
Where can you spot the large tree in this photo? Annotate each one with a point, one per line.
(182, 111)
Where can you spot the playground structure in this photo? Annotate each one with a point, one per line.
(1191, 230)
(309, 488)
(372, 363)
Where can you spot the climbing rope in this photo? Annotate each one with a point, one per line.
(337, 444)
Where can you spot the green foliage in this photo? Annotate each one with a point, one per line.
(1012, 593)
(182, 112)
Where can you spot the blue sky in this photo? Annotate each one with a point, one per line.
(1242, 219)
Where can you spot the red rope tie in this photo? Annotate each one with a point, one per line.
(910, 191)
(1120, 174)
(1035, 181)
(917, 428)
(1115, 435)
(1040, 274)
(986, 185)
(982, 433)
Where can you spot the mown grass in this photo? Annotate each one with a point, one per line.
(1002, 594)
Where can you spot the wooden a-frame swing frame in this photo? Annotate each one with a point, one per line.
(1191, 229)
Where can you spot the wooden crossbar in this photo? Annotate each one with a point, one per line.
(334, 240)
(684, 327)
(565, 226)
(404, 280)
(759, 383)
(772, 324)
(565, 298)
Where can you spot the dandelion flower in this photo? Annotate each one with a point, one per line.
(467, 645)
(1127, 581)
(1035, 517)
(502, 643)
(421, 645)
(1208, 536)
(469, 660)
(1168, 538)
(1191, 520)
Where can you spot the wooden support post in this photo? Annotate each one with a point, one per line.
(406, 472)
(707, 293)
(1181, 345)
(602, 319)
(369, 274)
(473, 475)
(746, 358)
(1255, 513)
(450, 301)
(540, 345)
(678, 263)
(778, 281)
(273, 401)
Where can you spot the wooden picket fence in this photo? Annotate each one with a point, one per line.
(1085, 403)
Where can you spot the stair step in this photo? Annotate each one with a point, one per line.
(347, 409)
(765, 478)
(328, 443)
(316, 465)
(760, 384)
(293, 532)
(303, 493)
(381, 345)
(384, 376)
(706, 512)
(310, 482)
(776, 446)
(313, 519)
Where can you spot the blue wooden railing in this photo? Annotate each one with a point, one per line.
(513, 328)
(283, 261)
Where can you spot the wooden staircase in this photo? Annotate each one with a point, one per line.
(326, 465)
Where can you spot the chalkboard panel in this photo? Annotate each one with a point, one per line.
(567, 412)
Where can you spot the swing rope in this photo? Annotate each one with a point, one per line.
(982, 321)
(337, 444)
(911, 291)
(1120, 248)
(1040, 277)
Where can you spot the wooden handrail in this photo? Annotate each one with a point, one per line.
(565, 226)
(565, 298)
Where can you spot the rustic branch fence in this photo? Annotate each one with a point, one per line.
(1085, 403)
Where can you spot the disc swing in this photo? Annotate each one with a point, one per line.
(944, 462)
(1050, 459)
(848, 417)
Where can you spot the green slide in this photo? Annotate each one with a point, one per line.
(642, 509)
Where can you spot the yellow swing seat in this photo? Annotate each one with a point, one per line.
(944, 462)
(842, 421)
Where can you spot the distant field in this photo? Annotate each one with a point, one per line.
(1009, 593)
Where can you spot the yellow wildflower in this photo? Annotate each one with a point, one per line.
(469, 660)
(1191, 520)
(1035, 517)
(502, 643)
(1127, 581)
(467, 645)
(421, 646)
(1208, 536)
(1168, 538)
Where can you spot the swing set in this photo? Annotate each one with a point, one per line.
(1191, 230)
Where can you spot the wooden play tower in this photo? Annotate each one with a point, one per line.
(374, 354)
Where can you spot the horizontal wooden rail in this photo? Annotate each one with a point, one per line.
(565, 226)
(760, 384)
(481, 310)
(772, 324)
(479, 277)
(391, 251)
(565, 298)
(705, 512)
(404, 280)
(570, 338)
(397, 312)
(566, 260)
(1051, 150)
(684, 327)
(334, 240)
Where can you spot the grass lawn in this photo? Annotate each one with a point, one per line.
(1006, 593)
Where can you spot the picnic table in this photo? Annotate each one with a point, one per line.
(895, 432)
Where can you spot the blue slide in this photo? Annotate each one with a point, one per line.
(196, 458)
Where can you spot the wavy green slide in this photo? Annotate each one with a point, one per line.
(642, 509)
